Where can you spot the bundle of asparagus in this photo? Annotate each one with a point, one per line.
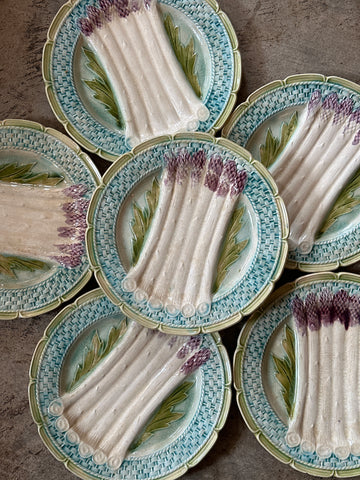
(152, 91)
(326, 411)
(319, 160)
(45, 223)
(106, 411)
(176, 266)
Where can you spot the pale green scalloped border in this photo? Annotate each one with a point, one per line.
(237, 369)
(105, 284)
(36, 415)
(71, 130)
(252, 98)
(97, 178)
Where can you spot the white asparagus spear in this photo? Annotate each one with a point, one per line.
(127, 412)
(318, 160)
(127, 38)
(308, 220)
(126, 89)
(122, 385)
(204, 292)
(189, 102)
(164, 99)
(95, 386)
(149, 402)
(308, 441)
(311, 126)
(293, 436)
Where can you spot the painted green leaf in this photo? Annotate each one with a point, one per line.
(185, 54)
(345, 203)
(274, 146)
(165, 415)
(285, 369)
(142, 219)
(101, 88)
(10, 264)
(22, 173)
(97, 351)
(231, 249)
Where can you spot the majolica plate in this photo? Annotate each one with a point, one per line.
(265, 367)
(260, 121)
(203, 29)
(170, 450)
(254, 245)
(35, 162)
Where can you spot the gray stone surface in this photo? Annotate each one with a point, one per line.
(276, 39)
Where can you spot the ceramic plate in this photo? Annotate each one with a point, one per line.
(64, 69)
(26, 291)
(169, 452)
(270, 107)
(259, 393)
(263, 229)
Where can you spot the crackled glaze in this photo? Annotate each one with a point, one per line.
(150, 86)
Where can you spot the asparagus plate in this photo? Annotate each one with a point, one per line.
(45, 183)
(305, 129)
(181, 246)
(86, 89)
(296, 374)
(179, 433)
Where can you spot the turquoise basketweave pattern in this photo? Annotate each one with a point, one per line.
(252, 386)
(158, 463)
(59, 281)
(265, 239)
(335, 246)
(102, 137)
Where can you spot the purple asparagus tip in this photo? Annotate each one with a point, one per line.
(314, 102)
(227, 178)
(105, 6)
(198, 165)
(192, 344)
(75, 191)
(183, 165)
(94, 15)
(213, 173)
(341, 302)
(122, 7)
(344, 110)
(312, 312)
(299, 313)
(354, 310)
(326, 307)
(86, 27)
(329, 106)
(194, 362)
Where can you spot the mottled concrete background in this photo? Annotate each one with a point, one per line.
(276, 39)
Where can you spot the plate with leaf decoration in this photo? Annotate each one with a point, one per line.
(266, 123)
(176, 437)
(246, 252)
(81, 96)
(269, 374)
(45, 183)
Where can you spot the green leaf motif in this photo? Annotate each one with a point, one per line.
(98, 350)
(185, 54)
(285, 369)
(100, 86)
(274, 146)
(10, 264)
(231, 248)
(345, 203)
(22, 173)
(165, 415)
(142, 219)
